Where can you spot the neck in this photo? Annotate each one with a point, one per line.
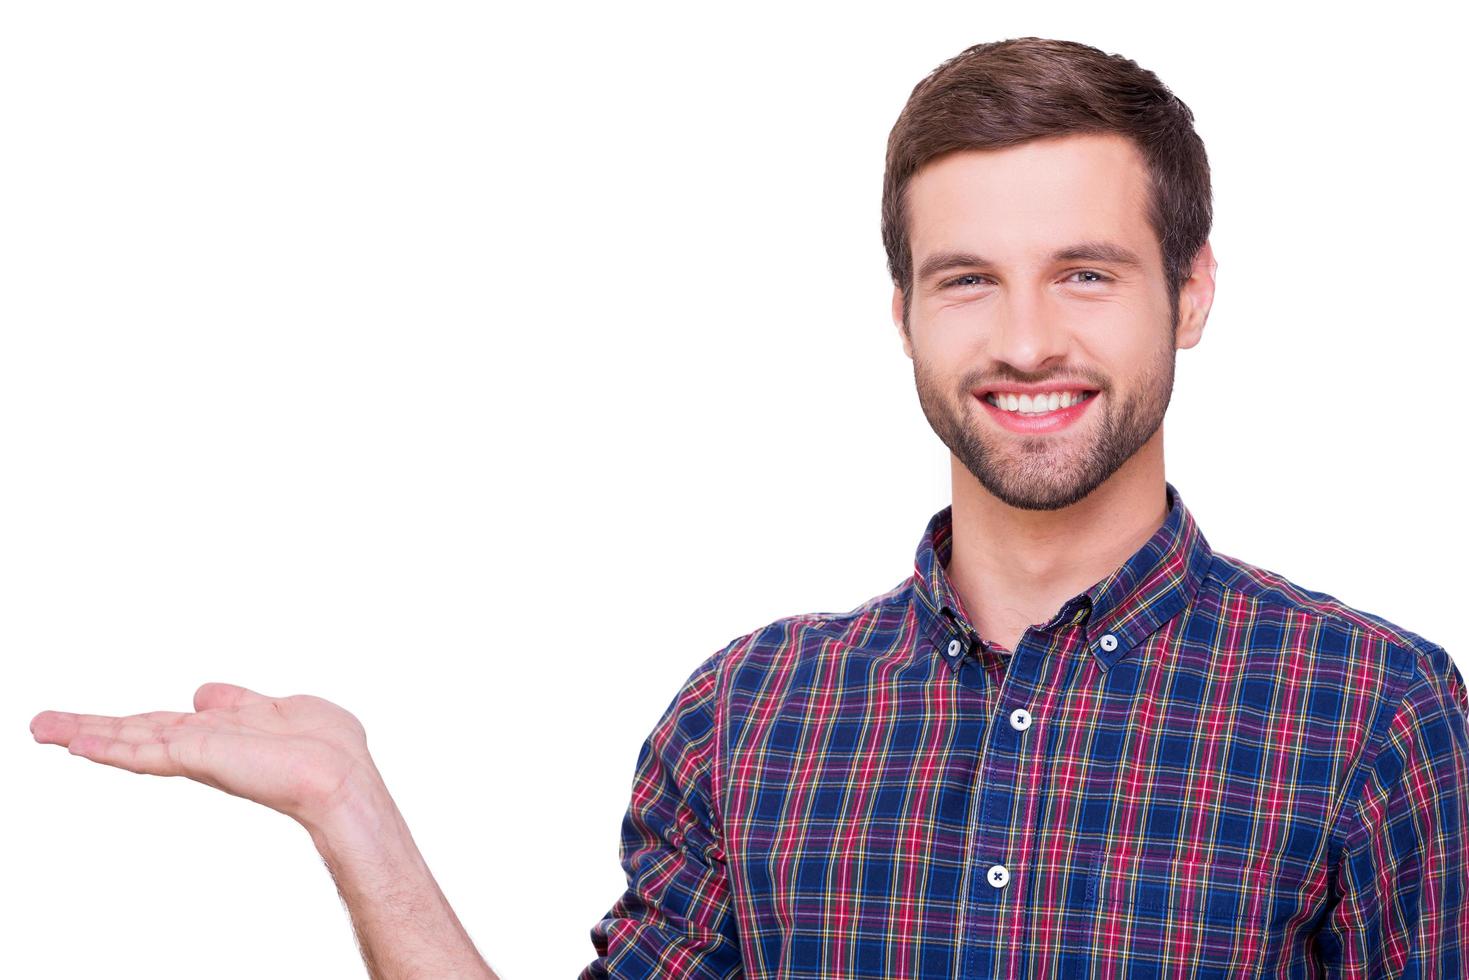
(1015, 568)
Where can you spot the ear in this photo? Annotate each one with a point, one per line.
(1195, 298)
(903, 333)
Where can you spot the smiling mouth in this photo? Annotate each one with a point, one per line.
(1028, 407)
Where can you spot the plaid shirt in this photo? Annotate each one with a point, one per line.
(1195, 769)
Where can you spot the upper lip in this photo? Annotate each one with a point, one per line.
(1046, 388)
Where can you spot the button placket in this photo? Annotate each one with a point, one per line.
(1000, 777)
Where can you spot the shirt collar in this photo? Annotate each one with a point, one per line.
(1115, 614)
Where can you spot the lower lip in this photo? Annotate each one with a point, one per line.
(1055, 421)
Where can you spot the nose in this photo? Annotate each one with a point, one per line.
(1027, 334)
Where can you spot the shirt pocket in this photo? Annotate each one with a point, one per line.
(1175, 915)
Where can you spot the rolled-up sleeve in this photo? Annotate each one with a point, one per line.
(675, 919)
(1402, 909)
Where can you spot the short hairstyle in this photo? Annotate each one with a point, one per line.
(1001, 93)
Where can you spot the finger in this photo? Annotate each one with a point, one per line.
(146, 757)
(215, 695)
(54, 727)
(142, 728)
(58, 727)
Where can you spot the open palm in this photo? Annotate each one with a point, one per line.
(295, 754)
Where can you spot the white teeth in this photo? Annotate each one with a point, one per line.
(1037, 405)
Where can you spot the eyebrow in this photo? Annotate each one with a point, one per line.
(1090, 251)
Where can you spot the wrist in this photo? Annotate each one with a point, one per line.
(361, 816)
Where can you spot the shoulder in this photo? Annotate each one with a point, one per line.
(787, 651)
(769, 661)
(1387, 679)
(1374, 684)
(1235, 587)
(876, 627)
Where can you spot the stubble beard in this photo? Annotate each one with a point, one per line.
(1051, 471)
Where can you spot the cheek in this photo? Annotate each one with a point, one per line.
(952, 344)
(1123, 347)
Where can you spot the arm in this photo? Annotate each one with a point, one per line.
(308, 759)
(676, 918)
(1403, 880)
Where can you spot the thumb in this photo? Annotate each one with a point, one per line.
(215, 695)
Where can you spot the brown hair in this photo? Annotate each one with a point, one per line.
(1001, 93)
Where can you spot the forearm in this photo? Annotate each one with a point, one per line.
(405, 927)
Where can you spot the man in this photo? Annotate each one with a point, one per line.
(1076, 741)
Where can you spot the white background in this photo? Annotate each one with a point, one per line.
(485, 372)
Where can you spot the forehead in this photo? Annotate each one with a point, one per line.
(1024, 200)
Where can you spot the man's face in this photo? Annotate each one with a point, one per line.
(1006, 311)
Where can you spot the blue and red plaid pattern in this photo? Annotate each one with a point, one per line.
(1195, 769)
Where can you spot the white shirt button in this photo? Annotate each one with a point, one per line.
(998, 875)
(1109, 642)
(954, 648)
(1020, 719)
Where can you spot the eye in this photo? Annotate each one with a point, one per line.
(974, 278)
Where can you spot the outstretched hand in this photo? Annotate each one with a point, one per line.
(308, 759)
(300, 755)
